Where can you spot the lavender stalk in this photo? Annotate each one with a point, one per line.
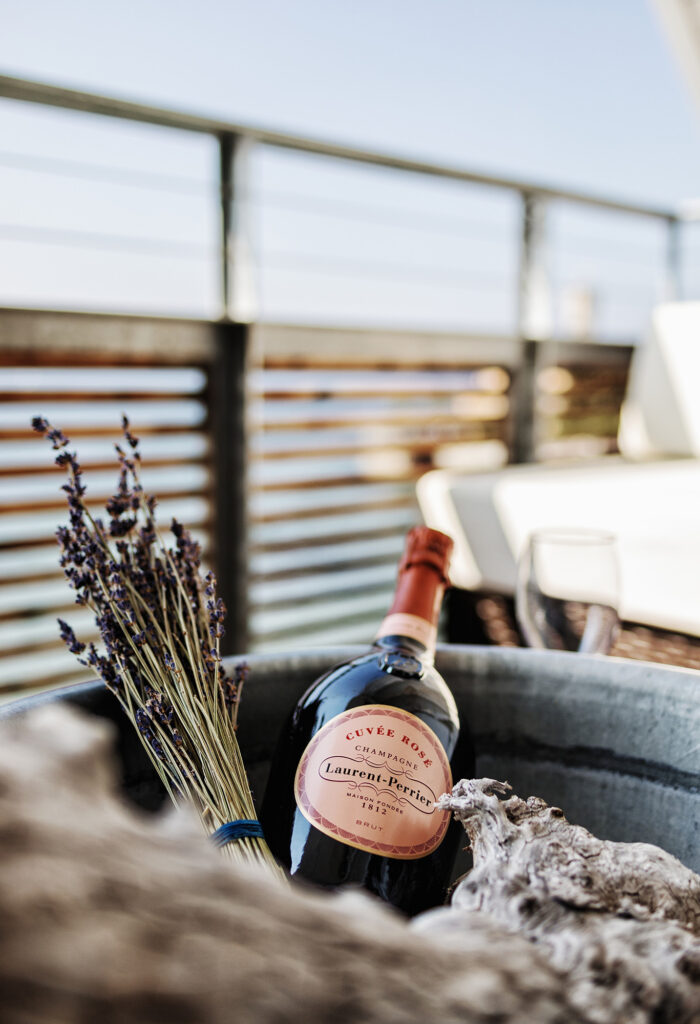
(161, 625)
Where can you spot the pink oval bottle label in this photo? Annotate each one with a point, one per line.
(370, 778)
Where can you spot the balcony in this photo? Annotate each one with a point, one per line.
(298, 334)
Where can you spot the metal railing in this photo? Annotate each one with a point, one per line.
(308, 485)
(235, 142)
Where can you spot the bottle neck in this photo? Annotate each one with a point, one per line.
(416, 607)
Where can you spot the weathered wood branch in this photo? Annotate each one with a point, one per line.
(619, 920)
(109, 916)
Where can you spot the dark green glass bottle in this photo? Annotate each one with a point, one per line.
(368, 750)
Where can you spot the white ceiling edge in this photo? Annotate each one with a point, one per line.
(680, 22)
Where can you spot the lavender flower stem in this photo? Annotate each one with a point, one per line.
(160, 624)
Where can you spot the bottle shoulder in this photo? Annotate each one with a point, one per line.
(381, 676)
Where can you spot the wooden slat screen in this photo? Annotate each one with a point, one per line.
(343, 423)
(85, 393)
(580, 392)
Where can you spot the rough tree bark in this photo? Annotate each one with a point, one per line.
(620, 921)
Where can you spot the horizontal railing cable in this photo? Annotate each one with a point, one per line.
(85, 170)
(170, 248)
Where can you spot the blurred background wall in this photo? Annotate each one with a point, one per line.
(390, 311)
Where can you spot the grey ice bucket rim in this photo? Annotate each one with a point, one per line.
(615, 743)
(568, 702)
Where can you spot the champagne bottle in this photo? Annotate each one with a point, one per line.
(368, 750)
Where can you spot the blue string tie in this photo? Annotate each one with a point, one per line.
(232, 831)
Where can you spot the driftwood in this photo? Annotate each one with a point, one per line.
(620, 920)
(109, 915)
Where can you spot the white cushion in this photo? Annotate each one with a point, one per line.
(661, 411)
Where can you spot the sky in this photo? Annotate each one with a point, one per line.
(583, 94)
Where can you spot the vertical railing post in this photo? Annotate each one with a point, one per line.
(235, 274)
(673, 290)
(227, 144)
(533, 326)
(229, 461)
(227, 401)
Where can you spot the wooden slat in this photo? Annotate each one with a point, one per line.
(288, 344)
(21, 529)
(306, 590)
(58, 506)
(575, 402)
(339, 537)
(41, 647)
(315, 571)
(389, 446)
(75, 431)
(52, 338)
(36, 493)
(48, 576)
(9, 397)
(98, 455)
(407, 473)
(100, 467)
(315, 530)
(288, 621)
(192, 473)
(347, 631)
(360, 391)
(184, 413)
(41, 671)
(326, 557)
(140, 381)
(40, 561)
(40, 628)
(595, 425)
(470, 377)
(326, 498)
(407, 502)
(30, 563)
(27, 598)
(369, 420)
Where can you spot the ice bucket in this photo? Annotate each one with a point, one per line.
(614, 743)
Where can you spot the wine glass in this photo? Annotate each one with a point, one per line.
(568, 590)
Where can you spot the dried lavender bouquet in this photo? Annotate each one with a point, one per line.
(161, 625)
